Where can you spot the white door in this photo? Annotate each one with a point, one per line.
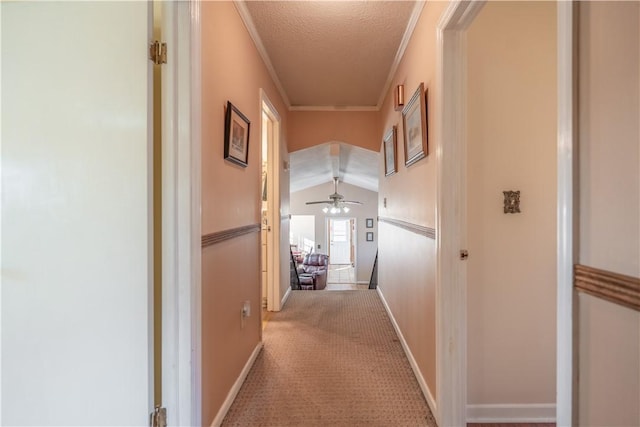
(339, 241)
(76, 222)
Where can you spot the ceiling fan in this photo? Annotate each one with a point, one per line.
(336, 201)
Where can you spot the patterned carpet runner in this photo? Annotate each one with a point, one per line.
(330, 359)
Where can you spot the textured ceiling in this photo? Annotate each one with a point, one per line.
(331, 54)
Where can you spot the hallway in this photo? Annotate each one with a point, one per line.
(330, 358)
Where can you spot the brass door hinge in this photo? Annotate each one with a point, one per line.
(158, 417)
(158, 52)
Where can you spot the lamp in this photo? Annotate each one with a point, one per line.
(345, 209)
(325, 209)
(398, 95)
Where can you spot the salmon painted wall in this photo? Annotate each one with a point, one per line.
(310, 128)
(231, 70)
(511, 270)
(406, 260)
(609, 145)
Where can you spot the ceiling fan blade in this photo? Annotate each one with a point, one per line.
(336, 200)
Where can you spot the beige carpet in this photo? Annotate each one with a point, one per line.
(330, 358)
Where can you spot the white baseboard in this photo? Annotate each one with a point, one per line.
(285, 297)
(512, 413)
(412, 361)
(236, 387)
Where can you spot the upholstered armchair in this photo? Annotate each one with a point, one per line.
(313, 271)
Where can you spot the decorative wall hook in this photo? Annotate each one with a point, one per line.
(511, 201)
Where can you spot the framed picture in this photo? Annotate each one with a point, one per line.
(369, 222)
(236, 136)
(369, 236)
(414, 121)
(390, 165)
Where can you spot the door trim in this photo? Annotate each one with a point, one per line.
(274, 270)
(181, 226)
(567, 307)
(451, 370)
(352, 236)
(451, 293)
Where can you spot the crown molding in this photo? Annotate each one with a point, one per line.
(333, 108)
(241, 7)
(411, 26)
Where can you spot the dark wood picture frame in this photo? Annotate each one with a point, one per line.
(414, 122)
(236, 136)
(369, 222)
(390, 143)
(369, 236)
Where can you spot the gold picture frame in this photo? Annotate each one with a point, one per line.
(390, 144)
(414, 122)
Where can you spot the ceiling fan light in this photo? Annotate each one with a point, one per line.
(336, 202)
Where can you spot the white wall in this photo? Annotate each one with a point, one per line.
(511, 145)
(609, 142)
(365, 251)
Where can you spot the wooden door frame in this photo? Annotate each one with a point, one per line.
(451, 292)
(567, 248)
(181, 223)
(451, 315)
(353, 249)
(274, 270)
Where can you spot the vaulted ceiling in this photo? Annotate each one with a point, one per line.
(317, 165)
(327, 55)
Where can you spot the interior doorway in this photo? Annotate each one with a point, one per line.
(270, 210)
(341, 237)
(453, 388)
(264, 213)
(510, 210)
